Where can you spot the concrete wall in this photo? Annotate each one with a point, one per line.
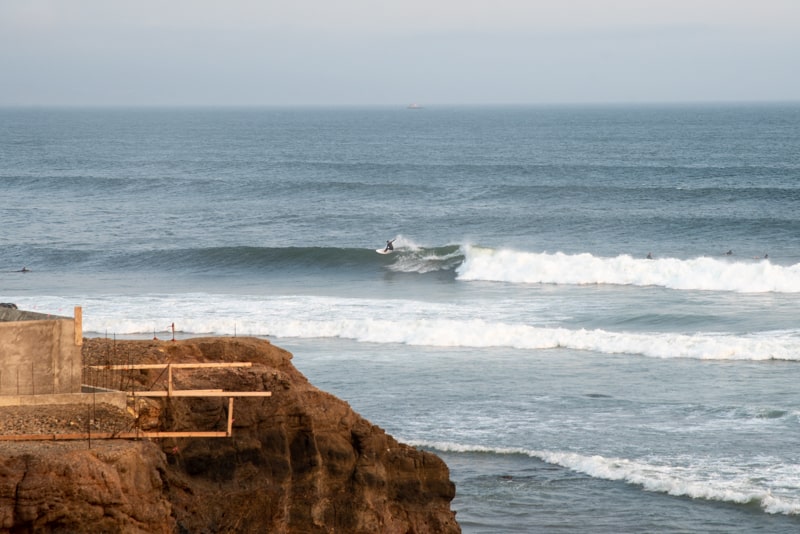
(39, 353)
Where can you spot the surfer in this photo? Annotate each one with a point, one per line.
(389, 246)
(649, 255)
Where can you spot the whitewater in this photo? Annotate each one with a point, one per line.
(705, 273)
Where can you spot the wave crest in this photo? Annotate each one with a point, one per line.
(704, 273)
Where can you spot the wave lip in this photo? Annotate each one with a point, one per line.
(701, 274)
(703, 481)
(426, 260)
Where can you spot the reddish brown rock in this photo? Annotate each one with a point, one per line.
(298, 461)
(66, 487)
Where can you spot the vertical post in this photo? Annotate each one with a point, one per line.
(230, 416)
(169, 379)
(78, 326)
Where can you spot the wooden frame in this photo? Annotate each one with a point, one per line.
(170, 392)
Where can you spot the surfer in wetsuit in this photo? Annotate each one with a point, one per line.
(389, 246)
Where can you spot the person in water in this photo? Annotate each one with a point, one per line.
(389, 246)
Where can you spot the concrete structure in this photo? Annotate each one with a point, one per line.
(40, 354)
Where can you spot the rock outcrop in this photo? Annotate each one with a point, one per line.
(65, 487)
(298, 461)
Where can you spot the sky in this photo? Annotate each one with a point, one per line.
(388, 52)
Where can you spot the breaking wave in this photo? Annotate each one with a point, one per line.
(751, 485)
(704, 273)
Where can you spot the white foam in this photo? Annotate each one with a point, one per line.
(705, 273)
(424, 261)
(698, 479)
(396, 321)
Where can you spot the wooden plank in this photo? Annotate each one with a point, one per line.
(227, 394)
(175, 365)
(180, 393)
(113, 435)
(230, 416)
(78, 326)
(203, 393)
(187, 434)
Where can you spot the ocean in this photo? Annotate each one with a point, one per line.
(519, 329)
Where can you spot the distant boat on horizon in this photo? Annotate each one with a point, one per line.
(414, 106)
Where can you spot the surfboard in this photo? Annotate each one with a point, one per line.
(381, 251)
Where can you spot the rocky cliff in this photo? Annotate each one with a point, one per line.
(298, 461)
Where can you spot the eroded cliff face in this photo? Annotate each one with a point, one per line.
(298, 461)
(67, 487)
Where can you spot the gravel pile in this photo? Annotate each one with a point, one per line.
(63, 419)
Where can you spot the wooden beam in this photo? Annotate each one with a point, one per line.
(203, 393)
(230, 416)
(78, 326)
(175, 365)
(113, 435)
(182, 393)
(187, 434)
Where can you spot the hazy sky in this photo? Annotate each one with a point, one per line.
(387, 52)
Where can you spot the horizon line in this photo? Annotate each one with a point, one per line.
(422, 106)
